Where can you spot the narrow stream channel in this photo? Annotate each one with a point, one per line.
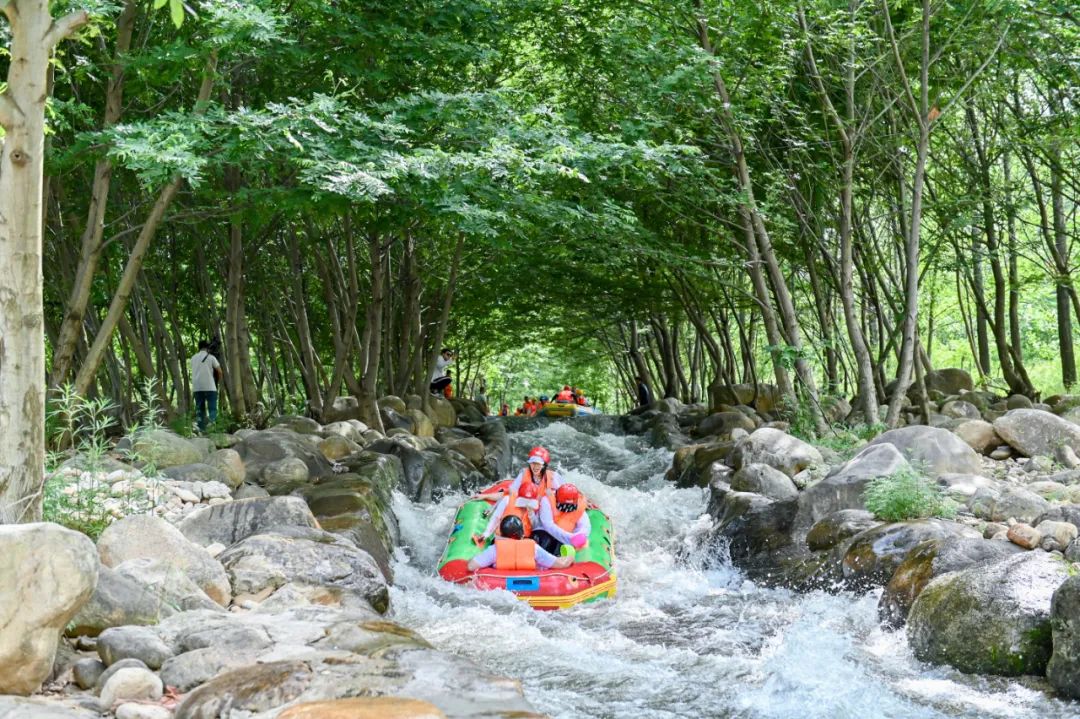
(687, 636)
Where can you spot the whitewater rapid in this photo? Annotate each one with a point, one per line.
(687, 635)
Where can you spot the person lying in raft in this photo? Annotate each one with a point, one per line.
(523, 504)
(536, 470)
(563, 520)
(513, 551)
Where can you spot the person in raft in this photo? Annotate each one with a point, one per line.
(563, 520)
(513, 551)
(537, 470)
(566, 395)
(523, 504)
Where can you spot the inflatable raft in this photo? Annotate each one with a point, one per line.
(591, 577)
(566, 409)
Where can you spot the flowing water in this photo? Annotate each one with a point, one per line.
(687, 635)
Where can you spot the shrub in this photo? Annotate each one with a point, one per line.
(907, 495)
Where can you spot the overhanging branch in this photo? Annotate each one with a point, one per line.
(65, 26)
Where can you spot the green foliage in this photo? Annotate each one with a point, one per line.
(905, 495)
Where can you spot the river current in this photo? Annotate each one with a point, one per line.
(687, 635)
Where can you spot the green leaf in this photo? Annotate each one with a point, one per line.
(176, 10)
(158, 4)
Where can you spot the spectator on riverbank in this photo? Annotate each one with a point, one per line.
(440, 378)
(205, 375)
(644, 395)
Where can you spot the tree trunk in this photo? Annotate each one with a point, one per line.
(33, 35)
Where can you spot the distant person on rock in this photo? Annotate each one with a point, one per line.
(512, 551)
(440, 377)
(563, 520)
(205, 375)
(505, 410)
(481, 398)
(644, 396)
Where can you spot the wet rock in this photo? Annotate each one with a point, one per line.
(117, 600)
(775, 448)
(764, 480)
(1063, 670)
(364, 708)
(471, 448)
(721, 423)
(140, 643)
(979, 435)
(750, 523)
(1033, 432)
(876, 553)
(260, 449)
(931, 559)
(148, 537)
(305, 556)
(131, 684)
(834, 528)
(992, 619)
(932, 450)
(163, 449)
(230, 522)
(843, 488)
(48, 573)
(1024, 535)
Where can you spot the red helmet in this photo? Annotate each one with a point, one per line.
(566, 386)
(541, 453)
(567, 494)
(528, 491)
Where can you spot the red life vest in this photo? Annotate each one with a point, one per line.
(565, 396)
(544, 488)
(567, 520)
(515, 554)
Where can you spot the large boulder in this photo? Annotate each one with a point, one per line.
(305, 556)
(167, 585)
(441, 412)
(931, 559)
(1014, 503)
(1063, 671)
(142, 643)
(776, 449)
(843, 488)
(749, 523)
(231, 522)
(979, 435)
(721, 424)
(144, 536)
(260, 449)
(960, 409)
(298, 424)
(1032, 432)
(163, 448)
(764, 480)
(992, 619)
(117, 600)
(875, 553)
(834, 528)
(230, 465)
(48, 572)
(422, 426)
(932, 449)
(949, 381)
(425, 474)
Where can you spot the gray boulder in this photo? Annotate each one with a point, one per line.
(875, 553)
(776, 449)
(959, 409)
(48, 573)
(117, 600)
(843, 488)
(979, 435)
(933, 450)
(197, 472)
(163, 448)
(300, 425)
(1063, 670)
(1033, 432)
(259, 449)
(949, 381)
(992, 619)
(168, 584)
(231, 522)
(140, 643)
(131, 685)
(721, 423)
(834, 528)
(764, 480)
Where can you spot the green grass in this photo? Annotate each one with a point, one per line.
(907, 495)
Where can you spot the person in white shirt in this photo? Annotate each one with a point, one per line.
(205, 374)
(440, 377)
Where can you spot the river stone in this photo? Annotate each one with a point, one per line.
(163, 449)
(834, 528)
(228, 463)
(284, 474)
(750, 523)
(1063, 533)
(48, 572)
(117, 600)
(776, 449)
(335, 448)
(959, 409)
(298, 424)
(1019, 504)
(260, 449)
(874, 554)
(721, 423)
(843, 488)
(168, 583)
(197, 472)
(1033, 432)
(931, 559)
(1063, 671)
(13, 707)
(1024, 535)
(472, 448)
(393, 402)
(87, 671)
(1018, 401)
(441, 412)
(230, 522)
(250, 689)
(949, 381)
(304, 556)
(979, 435)
(131, 684)
(346, 430)
(140, 643)
(144, 536)
(932, 450)
(133, 710)
(764, 480)
(992, 619)
(364, 708)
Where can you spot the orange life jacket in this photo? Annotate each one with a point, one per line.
(567, 520)
(565, 396)
(522, 513)
(544, 488)
(581, 400)
(515, 553)
(448, 392)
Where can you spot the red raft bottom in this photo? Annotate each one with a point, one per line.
(543, 589)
